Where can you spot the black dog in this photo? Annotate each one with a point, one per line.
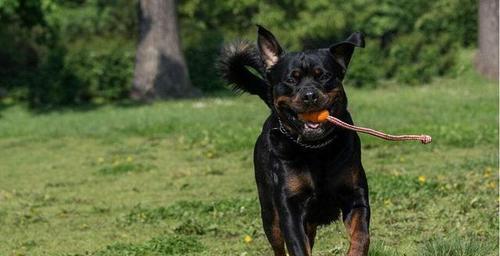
(307, 173)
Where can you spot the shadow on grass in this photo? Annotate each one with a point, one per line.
(126, 103)
(4, 106)
(162, 245)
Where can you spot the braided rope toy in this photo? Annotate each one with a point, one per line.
(323, 116)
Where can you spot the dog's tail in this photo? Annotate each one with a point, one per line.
(241, 66)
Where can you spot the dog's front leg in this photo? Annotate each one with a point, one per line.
(291, 212)
(291, 205)
(357, 220)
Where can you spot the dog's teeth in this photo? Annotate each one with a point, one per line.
(312, 125)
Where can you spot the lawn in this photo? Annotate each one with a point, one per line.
(176, 178)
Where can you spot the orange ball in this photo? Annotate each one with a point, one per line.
(317, 117)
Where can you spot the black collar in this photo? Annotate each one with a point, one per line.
(298, 139)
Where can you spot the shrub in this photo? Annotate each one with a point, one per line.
(96, 71)
(53, 84)
(67, 52)
(201, 52)
(415, 58)
(411, 41)
(104, 68)
(364, 69)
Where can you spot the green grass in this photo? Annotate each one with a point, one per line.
(176, 178)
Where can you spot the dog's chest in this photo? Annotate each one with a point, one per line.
(313, 181)
(321, 194)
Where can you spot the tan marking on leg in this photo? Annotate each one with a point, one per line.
(311, 233)
(351, 223)
(278, 243)
(359, 241)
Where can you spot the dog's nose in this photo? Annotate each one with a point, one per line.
(310, 97)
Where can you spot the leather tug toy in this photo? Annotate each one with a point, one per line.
(323, 116)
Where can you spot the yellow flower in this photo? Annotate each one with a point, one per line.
(422, 179)
(130, 159)
(491, 185)
(100, 160)
(487, 172)
(247, 239)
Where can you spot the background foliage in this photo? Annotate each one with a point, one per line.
(55, 52)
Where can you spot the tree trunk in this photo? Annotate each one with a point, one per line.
(487, 58)
(160, 70)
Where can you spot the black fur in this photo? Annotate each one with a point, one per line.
(234, 62)
(307, 174)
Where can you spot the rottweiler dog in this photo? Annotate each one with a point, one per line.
(308, 174)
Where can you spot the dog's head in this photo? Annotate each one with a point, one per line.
(307, 81)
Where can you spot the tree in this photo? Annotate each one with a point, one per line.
(487, 58)
(160, 69)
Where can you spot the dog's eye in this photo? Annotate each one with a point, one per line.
(296, 74)
(317, 73)
(294, 77)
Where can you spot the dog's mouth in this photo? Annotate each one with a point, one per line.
(308, 130)
(311, 125)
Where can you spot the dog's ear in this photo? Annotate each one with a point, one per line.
(343, 51)
(270, 49)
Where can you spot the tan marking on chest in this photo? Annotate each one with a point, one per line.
(296, 183)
